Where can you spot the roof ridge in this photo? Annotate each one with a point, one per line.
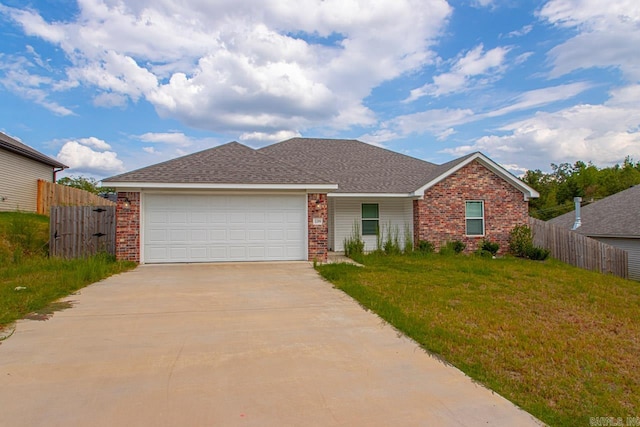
(395, 153)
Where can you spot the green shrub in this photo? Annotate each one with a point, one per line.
(521, 244)
(425, 247)
(537, 254)
(354, 245)
(452, 247)
(491, 247)
(484, 253)
(520, 240)
(391, 245)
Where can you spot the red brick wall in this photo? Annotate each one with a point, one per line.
(440, 216)
(128, 227)
(318, 234)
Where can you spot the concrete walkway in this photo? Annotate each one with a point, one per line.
(260, 344)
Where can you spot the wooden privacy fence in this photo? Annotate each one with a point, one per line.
(579, 250)
(82, 231)
(52, 194)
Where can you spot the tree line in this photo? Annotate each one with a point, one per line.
(566, 181)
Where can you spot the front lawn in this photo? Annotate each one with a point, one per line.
(29, 280)
(560, 342)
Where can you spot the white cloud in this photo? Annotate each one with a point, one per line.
(439, 122)
(540, 97)
(484, 3)
(94, 142)
(608, 34)
(110, 99)
(521, 32)
(488, 65)
(177, 139)
(604, 134)
(16, 78)
(150, 150)
(234, 67)
(90, 155)
(442, 122)
(269, 137)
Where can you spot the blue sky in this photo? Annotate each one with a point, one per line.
(107, 86)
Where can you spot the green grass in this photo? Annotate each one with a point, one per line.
(560, 342)
(24, 264)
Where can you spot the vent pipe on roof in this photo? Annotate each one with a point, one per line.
(578, 222)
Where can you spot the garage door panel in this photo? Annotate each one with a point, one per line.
(178, 253)
(217, 235)
(198, 218)
(205, 228)
(256, 235)
(237, 235)
(198, 253)
(256, 252)
(199, 235)
(179, 236)
(177, 217)
(237, 253)
(276, 251)
(156, 235)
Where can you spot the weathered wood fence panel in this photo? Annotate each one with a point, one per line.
(579, 250)
(82, 231)
(52, 194)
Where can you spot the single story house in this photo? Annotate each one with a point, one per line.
(300, 198)
(20, 169)
(613, 220)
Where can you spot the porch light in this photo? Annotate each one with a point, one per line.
(127, 204)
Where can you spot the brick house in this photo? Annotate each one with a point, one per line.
(300, 198)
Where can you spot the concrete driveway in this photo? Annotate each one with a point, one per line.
(258, 344)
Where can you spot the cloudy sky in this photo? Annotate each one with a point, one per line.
(107, 86)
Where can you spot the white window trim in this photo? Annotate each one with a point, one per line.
(466, 231)
(362, 219)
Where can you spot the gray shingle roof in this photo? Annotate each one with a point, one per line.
(231, 163)
(18, 147)
(355, 166)
(616, 215)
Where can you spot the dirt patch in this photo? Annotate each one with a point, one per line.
(47, 312)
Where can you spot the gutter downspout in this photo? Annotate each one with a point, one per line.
(578, 222)
(55, 171)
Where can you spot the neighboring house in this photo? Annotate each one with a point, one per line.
(300, 198)
(613, 220)
(20, 169)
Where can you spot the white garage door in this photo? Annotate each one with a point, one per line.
(204, 228)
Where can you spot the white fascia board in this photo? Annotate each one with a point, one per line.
(209, 186)
(373, 195)
(529, 193)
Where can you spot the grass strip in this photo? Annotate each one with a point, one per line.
(560, 342)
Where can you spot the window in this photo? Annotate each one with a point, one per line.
(474, 215)
(370, 219)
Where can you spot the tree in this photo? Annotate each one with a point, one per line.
(89, 184)
(558, 188)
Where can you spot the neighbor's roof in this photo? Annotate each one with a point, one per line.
(231, 163)
(18, 147)
(357, 167)
(614, 216)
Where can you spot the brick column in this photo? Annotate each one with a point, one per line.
(128, 227)
(318, 240)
